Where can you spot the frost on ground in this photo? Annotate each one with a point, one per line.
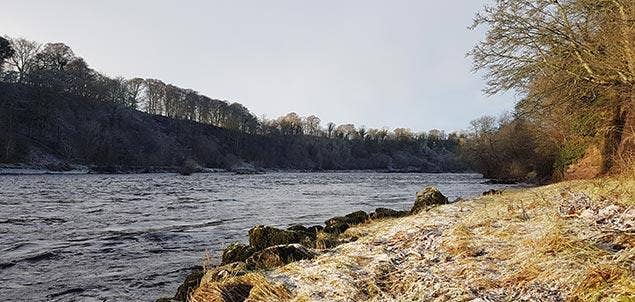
(572, 241)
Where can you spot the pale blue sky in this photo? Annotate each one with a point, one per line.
(373, 63)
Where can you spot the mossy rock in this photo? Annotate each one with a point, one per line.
(427, 197)
(298, 228)
(309, 233)
(336, 228)
(315, 229)
(279, 255)
(356, 217)
(191, 283)
(237, 252)
(262, 237)
(335, 220)
(350, 219)
(381, 213)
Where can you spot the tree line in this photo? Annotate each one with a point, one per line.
(303, 141)
(55, 65)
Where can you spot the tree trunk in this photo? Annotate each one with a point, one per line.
(626, 149)
(615, 135)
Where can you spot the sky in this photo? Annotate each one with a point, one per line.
(376, 64)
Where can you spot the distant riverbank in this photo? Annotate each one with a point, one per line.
(27, 169)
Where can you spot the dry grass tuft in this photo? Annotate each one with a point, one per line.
(522, 277)
(605, 281)
(249, 287)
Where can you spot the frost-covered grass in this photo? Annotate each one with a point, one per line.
(568, 241)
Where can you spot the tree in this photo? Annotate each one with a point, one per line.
(238, 117)
(311, 125)
(23, 59)
(134, 87)
(172, 101)
(290, 124)
(346, 131)
(378, 134)
(204, 109)
(6, 51)
(330, 129)
(362, 132)
(436, 134)
(54, 56)
(155, 94)
(403, 134)
(510, 149)
(80, 78)
(190, 101)
(580, 50)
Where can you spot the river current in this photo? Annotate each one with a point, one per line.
(134, 237)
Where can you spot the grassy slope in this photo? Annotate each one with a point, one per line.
(568, 241)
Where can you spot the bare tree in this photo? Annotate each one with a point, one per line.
(80, 78)
(403, 134)
(135, 91)
(330, 129)
(290, 124)
(155, 94)
(54, 56)
(362, 133)
(6, 51)
(311, 125)
(347, 131)
(23, 59)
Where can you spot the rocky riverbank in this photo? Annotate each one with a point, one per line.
(568, 241)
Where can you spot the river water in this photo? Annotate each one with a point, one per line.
(133, 237)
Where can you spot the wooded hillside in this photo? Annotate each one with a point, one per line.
(57, 111)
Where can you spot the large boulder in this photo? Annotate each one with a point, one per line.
(381, 213)
(428, 197)
(262, 237)
(236, 252)
(279, 255)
